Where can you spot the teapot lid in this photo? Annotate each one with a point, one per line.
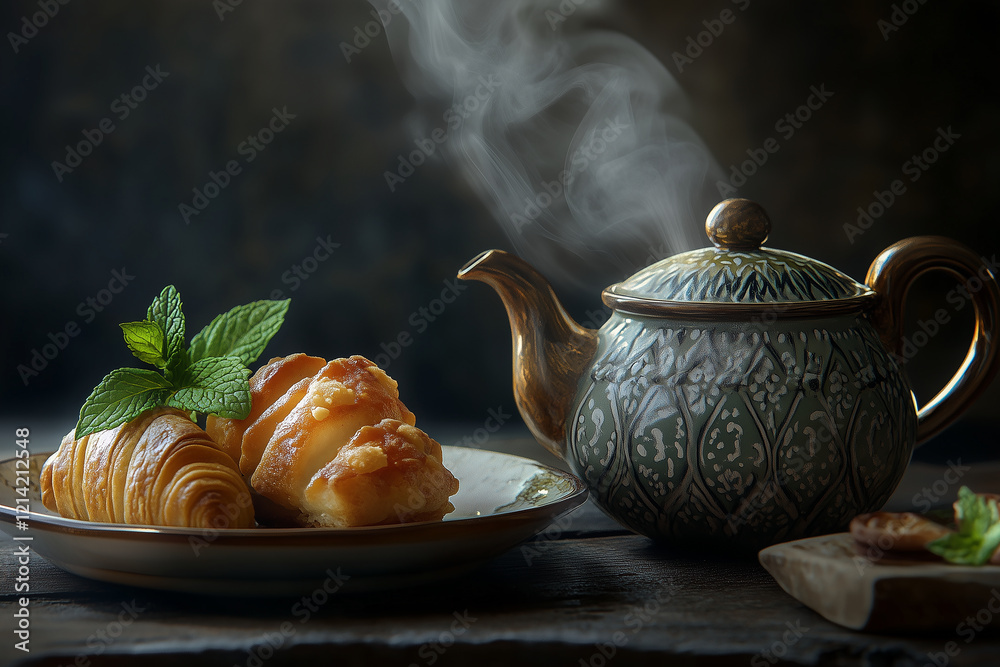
(737, 275)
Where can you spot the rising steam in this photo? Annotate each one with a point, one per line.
(573, 137)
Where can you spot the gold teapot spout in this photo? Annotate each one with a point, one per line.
(551, 351)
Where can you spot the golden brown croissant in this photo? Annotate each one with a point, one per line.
(159, 469)
(331, 444)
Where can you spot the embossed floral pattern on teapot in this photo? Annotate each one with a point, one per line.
(738, 395)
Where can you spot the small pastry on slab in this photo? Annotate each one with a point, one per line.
(879, 533)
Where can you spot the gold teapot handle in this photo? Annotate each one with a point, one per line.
(891, 275)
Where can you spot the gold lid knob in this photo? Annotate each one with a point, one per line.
(738, 224)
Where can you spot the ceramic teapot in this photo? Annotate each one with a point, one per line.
(738, 395)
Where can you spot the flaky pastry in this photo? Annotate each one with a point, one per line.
(331, 444)
(159, 469)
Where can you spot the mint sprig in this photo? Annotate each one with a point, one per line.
(209, 377)
(978, 534)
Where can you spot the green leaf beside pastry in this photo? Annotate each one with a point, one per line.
(209, 377)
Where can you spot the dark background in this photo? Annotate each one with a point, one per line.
(323, 176)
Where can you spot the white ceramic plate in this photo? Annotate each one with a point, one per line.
(502, 500)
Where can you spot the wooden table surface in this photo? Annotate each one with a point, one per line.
(585, 593)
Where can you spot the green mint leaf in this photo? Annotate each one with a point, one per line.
(166, 312)
(243, 332)
(216, 385)
(122, 395)
(955, 548)
(978, 534)
(145, 339)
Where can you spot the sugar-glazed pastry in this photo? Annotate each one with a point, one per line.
(159, 469)
(387, 473)
(331, 444)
